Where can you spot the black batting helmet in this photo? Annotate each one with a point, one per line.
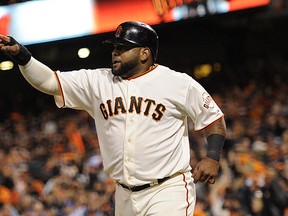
(135, 33)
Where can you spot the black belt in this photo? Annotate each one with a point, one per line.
(145, 186)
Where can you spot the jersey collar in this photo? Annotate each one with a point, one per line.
(143, 73)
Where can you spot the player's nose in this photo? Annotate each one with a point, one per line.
(115, 51)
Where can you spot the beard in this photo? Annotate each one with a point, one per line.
(125, 67)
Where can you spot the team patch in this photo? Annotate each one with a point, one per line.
(208, 100)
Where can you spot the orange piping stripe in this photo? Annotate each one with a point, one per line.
(61, 90)
(209, 124)
(187, 199)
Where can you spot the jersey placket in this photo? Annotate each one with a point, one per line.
(129, 144)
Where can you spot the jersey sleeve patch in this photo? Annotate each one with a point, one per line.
(208, 101)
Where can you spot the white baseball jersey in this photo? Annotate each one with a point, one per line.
(141, 123)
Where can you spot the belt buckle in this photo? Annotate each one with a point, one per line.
(154, 183)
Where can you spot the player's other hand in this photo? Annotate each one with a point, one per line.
(8, 48)
(206, 171)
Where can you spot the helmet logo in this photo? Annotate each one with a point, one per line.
(118, 31)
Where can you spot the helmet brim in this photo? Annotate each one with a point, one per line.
(120, 41)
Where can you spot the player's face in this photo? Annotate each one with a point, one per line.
(125, 61)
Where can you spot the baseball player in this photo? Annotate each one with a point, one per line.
(140, 110)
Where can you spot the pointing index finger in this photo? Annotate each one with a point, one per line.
(4, 39)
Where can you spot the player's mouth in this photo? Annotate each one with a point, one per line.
(115, 63)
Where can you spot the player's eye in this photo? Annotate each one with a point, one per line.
(122, 48)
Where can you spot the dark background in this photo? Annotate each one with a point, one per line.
(239, 41)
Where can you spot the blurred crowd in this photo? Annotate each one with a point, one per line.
(50, 163)
(254, 167)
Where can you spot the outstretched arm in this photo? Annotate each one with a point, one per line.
(37, 74)
(207, 169)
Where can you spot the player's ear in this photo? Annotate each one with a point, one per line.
(145, 53)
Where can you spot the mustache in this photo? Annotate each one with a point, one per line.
(115, 60)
